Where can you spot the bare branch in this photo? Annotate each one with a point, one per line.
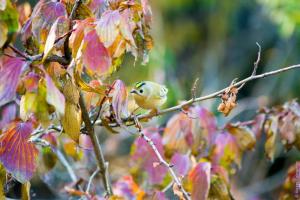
(17, 51)
(194, 88)
(91, 180)
(257, 60)
(102, 164)
(255, 65)
(212, 95)
(161, 160)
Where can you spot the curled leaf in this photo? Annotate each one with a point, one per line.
(71, 92)
(91, 87)
(119, 100)
(271, 128)
(50, 39)
(244, 136)
(228, 100)
(54, 96)
(71, 121)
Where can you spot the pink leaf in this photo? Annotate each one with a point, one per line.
(17, 154)
(95, 55)
(178, 134)
(54, 96)
(159, 196)
(147, 11)
(44, 15)
(127, 188)
(97, 6)
(200, 179)
(226, 150)
(208, 123)
(7, 114)
(181, 163)
(85, 142)
(10, 73)
(108, 27)
(31, 81)
(119, 100)
(143, 156)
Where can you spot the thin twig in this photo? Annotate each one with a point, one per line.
(255, 65)
(17, 51)
(212, 95)
(66, 164)
(161, 160)
(102, 164)
(64, 35)
(257, 60)
(59, 154)
(101, 104)
(91, 180)
(194, 88)
(167, 187)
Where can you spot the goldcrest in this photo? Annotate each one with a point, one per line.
(149, 95)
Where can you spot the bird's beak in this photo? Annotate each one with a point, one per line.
(133, 91)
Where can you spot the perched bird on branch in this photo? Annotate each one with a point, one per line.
(149, 95)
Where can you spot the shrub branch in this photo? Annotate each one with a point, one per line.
(176, 179)
(102, 164)
(212, 95)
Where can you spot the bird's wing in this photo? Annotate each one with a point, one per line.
(160, 92)
(163, 91)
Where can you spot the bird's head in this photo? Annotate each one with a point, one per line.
(141, 90)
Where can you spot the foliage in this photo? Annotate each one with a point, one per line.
(56, 92)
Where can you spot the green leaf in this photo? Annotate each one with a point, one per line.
(10, 17)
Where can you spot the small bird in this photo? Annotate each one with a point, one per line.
(149, 95)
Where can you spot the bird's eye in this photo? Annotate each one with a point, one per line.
(141, 91)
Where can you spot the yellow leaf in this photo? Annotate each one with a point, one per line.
(71, 92)
(2, 180)
(71, 121)
(86, 87)
(272, 134)
(26, 191)
(50, 40)
(244, 136)
(3, 33)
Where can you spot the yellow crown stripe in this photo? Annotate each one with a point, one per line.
(139, 84)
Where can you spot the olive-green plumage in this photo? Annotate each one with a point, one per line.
(149, 95)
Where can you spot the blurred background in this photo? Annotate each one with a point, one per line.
(215, 41)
